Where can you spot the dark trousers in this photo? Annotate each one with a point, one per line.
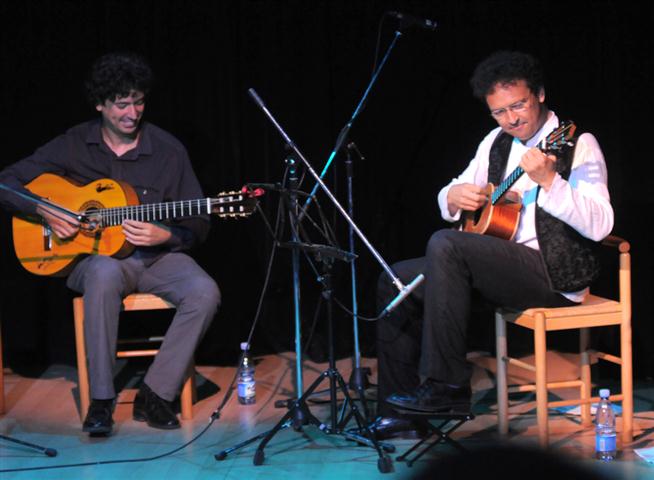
(426, 334)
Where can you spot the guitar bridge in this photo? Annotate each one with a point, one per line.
(47, 238)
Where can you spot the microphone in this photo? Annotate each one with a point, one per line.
(407, 20)
(403, 294)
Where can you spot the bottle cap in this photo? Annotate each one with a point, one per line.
(605, 393)
(245, 346)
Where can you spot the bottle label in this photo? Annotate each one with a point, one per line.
(605, 443)
(246, 389)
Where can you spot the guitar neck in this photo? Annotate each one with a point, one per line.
(556, 141)
(156, 212)
(506, 184)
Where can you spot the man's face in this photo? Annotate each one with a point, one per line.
(516, 109)
(123, 115)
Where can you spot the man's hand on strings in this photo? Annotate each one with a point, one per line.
(145, 234)
(465, 196)
(64, 226)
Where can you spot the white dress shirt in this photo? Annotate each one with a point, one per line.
(582, 201)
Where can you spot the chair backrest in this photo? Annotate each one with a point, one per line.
(624, 272)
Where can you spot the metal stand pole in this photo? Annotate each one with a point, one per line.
(359, 377)
(298, 419)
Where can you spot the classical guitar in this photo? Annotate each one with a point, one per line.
(100, 207)
(500, 215)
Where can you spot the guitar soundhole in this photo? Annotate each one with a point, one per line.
(476, 215)
(90, 209)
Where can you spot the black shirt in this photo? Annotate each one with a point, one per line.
(158, 169)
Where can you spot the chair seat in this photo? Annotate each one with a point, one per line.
(145, 301)
(593, 312)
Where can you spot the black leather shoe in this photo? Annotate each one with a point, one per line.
(98, 419)
(434, 397)
(387, 428)
(154, 410)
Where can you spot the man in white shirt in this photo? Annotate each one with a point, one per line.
(550, 260)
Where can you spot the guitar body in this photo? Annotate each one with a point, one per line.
(498, 220)
(41, 252)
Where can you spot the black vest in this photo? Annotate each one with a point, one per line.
(571, 259)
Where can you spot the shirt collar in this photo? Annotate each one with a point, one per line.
(550, 124)
(143, 147)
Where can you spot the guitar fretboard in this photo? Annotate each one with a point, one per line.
(155, 212)
(506, 184)
(555, 141)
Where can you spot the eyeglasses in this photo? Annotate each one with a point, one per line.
(516, 107)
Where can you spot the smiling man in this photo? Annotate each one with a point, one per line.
(549, 261)
(122, 146)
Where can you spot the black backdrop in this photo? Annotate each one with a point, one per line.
(310, 62)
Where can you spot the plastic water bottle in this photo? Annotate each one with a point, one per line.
(605, 446)
(246, 383)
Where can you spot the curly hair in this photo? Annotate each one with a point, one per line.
(506, 67)
(115, 75)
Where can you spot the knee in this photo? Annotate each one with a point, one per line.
(442, 242)
(103, 274)
(204, 295)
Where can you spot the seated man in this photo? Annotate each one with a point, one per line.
(121, 146)
(549, 261)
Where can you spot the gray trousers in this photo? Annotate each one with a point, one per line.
(105, 281)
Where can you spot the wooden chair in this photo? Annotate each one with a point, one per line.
(593, 312)
(135, 301)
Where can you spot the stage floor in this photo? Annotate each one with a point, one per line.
(44, 411)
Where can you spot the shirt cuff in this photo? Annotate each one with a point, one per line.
(556, 188)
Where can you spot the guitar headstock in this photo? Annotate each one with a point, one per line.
(235, 204)
(560, 138)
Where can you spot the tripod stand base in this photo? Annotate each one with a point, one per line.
(299, 416)
(384, 463)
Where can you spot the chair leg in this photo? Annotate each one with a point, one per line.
(584, 345)
(80, 345)
(541, 379)
(186, 398)
(627, 382)
(501, 378)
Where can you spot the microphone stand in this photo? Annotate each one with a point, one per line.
(358, 380)
(342, 136)
(403, 290)
(359, 377)
(299, 418)
(384, 463)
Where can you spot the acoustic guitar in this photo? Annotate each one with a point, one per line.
(100, 207)
(500, 215)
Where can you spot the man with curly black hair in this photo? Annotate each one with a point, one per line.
(549, 260)
(122, 146)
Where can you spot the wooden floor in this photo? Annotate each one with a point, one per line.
(44, 411)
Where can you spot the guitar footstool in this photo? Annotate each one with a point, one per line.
(443, 425)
